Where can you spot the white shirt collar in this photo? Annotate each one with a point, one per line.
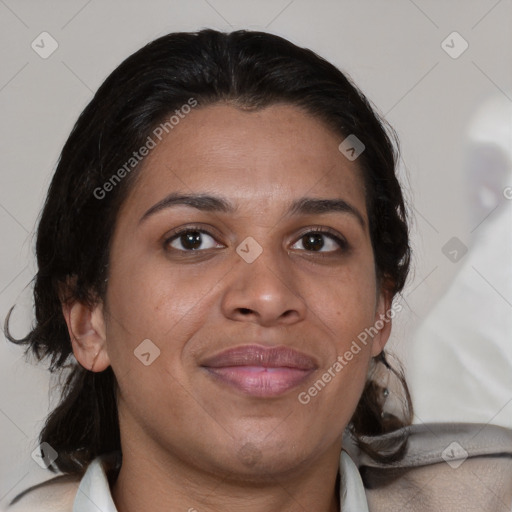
(352, 493)
(94, 494)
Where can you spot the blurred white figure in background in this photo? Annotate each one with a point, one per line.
(462, 353)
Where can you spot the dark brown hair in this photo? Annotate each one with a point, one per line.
(250, 70)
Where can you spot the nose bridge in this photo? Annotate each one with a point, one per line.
(264, 269)
(262, 285)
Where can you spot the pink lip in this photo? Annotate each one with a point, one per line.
(261, 371)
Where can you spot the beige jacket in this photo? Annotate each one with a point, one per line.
(447, 468)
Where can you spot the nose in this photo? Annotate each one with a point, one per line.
(263, 292)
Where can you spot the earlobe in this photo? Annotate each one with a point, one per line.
(86, 327)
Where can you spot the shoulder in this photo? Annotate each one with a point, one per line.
(66, 493)
(54, 495)
(447, 467)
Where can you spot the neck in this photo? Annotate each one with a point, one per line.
(151, 479)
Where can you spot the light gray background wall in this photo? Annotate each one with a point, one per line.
(394, 52)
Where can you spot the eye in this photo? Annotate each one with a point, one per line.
(321, 240)
(191, 239)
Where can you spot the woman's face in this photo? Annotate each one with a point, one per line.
(247, 300)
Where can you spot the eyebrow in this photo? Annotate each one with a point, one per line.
(310, 205)
(207, 203)
(200, 202)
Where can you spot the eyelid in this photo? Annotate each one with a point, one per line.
(333, 234)
(211, 231)
(202, 228)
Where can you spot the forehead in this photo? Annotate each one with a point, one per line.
(256, 158)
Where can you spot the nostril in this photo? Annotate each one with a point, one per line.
(245, 311)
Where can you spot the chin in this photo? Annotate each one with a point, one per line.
(263, 462)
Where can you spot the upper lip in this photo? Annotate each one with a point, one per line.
(256, 355)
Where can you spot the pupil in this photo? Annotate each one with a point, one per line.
(191, 240)
(313, 242)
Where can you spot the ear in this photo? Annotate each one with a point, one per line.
(86, 327)
(382, 321)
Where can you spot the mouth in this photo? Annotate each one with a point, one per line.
(260, 371)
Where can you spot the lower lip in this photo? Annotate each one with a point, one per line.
(260, 381)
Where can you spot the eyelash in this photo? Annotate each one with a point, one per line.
(182, 231)
(341, 241)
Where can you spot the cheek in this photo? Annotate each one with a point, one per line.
(333, 396)
(345, 302)
(343, 307)
(148, 297)
(151, 316)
